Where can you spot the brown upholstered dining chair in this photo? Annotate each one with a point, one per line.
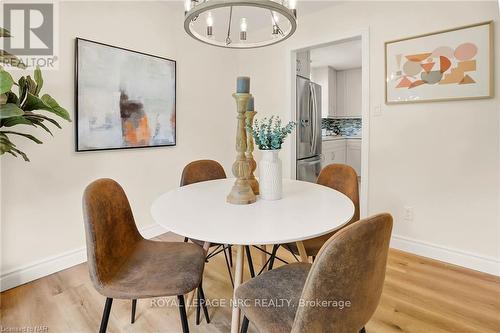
(340, 177)
(338, 293)
(124, 265)
(200, 171)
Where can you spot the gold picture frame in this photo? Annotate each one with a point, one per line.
(449, 78)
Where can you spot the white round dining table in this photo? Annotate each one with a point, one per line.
(200, 211)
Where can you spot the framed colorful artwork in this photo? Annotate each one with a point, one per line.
(453, 64)
(124, 98)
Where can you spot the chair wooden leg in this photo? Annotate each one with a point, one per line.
(204, 303)
(238, 280)
(244, 325)
(362, 330)
(105, 315)
(186, 239)
(302, 252)
(182, 311)
(134, 305)
(273, 255)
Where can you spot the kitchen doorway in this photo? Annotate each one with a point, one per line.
(330, 102)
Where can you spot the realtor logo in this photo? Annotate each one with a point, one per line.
(31, 27)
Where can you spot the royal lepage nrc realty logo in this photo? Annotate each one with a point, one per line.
(28, 35)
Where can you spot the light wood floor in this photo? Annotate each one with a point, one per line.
(420, 295)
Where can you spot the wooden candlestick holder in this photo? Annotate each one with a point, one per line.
(254, 184)
(241, 193)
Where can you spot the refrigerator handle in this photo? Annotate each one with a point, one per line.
(313, 119)
(311, 134)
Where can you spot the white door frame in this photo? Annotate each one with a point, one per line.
(365, 74)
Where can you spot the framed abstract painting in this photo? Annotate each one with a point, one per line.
(124, 98)
(453, 64)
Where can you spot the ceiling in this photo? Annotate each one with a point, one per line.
(306, 7)
(340, 56)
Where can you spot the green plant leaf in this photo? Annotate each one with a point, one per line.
(28, 136)
(13, 121)
(4, 33)
(6, 145)
(31, 84)
(25, 157)
(40, 123)
(6, 82)
(23, 88)
(31, 115)
(32, 102)
(27, 120)
(10, 110)
(45, 103)
(56, 108)
(38, 80)
(9, 152)
(12, 98)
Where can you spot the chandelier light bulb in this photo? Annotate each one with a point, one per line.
(275, 18)
(210, 19)
(243, 29)
(243, 25)
(187, 5)
(292, 4)
(210, 24)
(274, 22)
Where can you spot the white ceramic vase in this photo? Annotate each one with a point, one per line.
(270, 175)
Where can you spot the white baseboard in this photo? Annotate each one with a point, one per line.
(152, 231)
(21, 275)
(470, 260)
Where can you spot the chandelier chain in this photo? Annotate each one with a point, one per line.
(228, 38)
(276, 24)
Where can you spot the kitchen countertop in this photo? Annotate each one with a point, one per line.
(338, 137)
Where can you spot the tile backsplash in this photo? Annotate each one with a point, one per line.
(342, 126)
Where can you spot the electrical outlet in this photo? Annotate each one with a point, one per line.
(377, 110)
(408, 213)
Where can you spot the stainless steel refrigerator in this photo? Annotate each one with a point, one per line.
(308, 129)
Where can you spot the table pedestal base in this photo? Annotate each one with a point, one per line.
(238, 279)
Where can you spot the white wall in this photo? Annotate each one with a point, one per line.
(41, 200)
(440, 158)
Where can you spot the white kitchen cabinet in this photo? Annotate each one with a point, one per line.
(353, 100)
(342, 150)
(353, 154)
(334, 151)
(304, 64)
(326, 77)
(340, 94)
(348, 93)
